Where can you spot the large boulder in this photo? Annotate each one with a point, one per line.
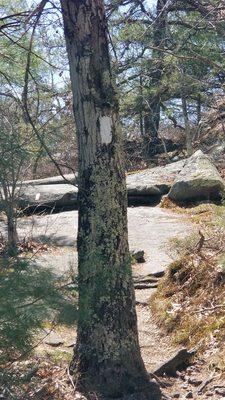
(44, 196)
(198, 179)
(153, 182)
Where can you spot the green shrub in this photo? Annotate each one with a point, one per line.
(29, 296)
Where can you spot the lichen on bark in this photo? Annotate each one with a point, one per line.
(107, 357)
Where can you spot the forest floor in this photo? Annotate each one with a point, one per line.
(150, 229)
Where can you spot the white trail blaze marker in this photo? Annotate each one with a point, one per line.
(106, 129)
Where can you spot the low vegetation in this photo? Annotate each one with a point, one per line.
(32, 302)
(189, 303)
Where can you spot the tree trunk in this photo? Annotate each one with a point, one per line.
(36, 162)
(188, 134)
(199, 109)
(107, 357)
(11, 230)
(152, 117)
(9, 210)
(141, 106)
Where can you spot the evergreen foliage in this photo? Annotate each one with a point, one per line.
(29, 297)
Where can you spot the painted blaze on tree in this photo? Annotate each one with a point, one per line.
(107, 356)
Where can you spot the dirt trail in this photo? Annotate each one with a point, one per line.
(149, 229)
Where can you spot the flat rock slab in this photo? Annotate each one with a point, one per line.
(149, 228)
(53, 180)
(52, 195)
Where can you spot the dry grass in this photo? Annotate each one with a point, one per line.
(190, 301)
(190, 211)
(202, 213)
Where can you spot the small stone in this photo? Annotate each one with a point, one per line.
(209, 394)
(220, 391)
(53, 340)
(189, 395)
(195, 381)
(138, 256)
(176, 396)
(184, 386)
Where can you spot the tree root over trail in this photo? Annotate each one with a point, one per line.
(146, 282)
(145, 286)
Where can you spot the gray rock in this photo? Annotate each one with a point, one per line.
(179, 361)
(189, 395)
(199, 179)
(220, 391)
(149, 184)
(63, 195)
(138, 256)
(195, 381)
(184, 180)
(153, 181)
(53, 340)
(184, 386)
(53, 180)
(217, 151)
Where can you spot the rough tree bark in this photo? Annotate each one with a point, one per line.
(107, 357)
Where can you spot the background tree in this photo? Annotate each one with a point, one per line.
(14, 156)
(186, 54)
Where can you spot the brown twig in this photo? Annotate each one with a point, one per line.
(209, 308)
(201, 242)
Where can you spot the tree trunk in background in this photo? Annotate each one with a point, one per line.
(107, 357)
(188, 134)
(9, 210)
(152, 117)
(12, 230)
(199, 109)
(141, 106)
